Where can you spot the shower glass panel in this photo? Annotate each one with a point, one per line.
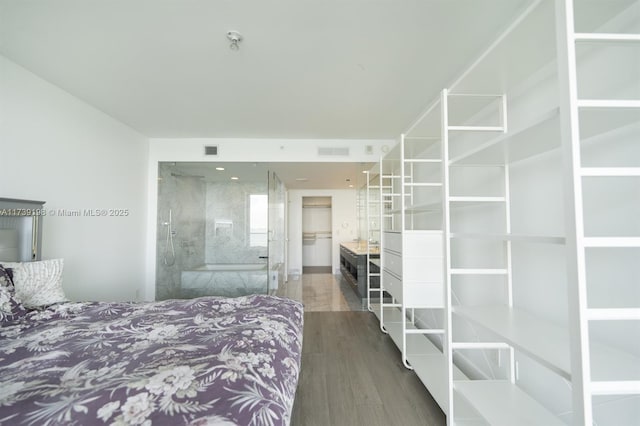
(213, 233)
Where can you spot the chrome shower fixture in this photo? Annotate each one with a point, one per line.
(169, 257)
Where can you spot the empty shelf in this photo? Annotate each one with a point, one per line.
(610, 171)
(517, 144)
(423, 208)
(541, 239)
(618, 314)
(548, 343)
(476, 128)
(473, 199)
(615, 388)
(503, 403)
(545, 342)
(479, 271)
(423, 160)
(608, 103)
(612, 242)
(436, 184)
(493, 72)
(606, 37)
(428, 362)
(431, 368)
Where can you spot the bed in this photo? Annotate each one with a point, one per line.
(204, 361)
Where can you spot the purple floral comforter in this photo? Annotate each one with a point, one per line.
(206, 361)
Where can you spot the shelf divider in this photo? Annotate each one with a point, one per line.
(479, 271)
(610, 171)
(472, 199)
(541, 239)
(628, 387)
(608, 103)
(613, 314)
(612, 242)
(606, 37)
(476, 128)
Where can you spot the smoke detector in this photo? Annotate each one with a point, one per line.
(235, 38)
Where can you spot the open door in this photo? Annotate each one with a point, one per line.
(276, 232)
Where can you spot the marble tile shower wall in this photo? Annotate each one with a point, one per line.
(227, 223)
(185, 197)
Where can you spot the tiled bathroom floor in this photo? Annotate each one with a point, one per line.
(321, 293)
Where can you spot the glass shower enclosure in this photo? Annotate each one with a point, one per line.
(218, 236)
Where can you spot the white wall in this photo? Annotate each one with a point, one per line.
(344, 223)
(56, 148)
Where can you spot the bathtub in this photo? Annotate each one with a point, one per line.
(232, 267)
(228, 280)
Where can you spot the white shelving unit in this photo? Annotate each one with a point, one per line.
(481, 190)
(540, 200)
(412, 245)
(544, 340)
(373, 214)
(601, 372)
(412, 253)
(494, 398)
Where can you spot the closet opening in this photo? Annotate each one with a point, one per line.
(316, 235)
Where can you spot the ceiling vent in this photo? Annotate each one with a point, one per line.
(339, 151)
(211, 150)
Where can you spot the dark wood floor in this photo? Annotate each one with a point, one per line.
(352, 375)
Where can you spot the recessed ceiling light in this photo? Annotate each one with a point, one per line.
(302, 179)
(220, 168)
(350, 186)
(234, 178)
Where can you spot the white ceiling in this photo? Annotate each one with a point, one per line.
(334, 69)
(306, 68)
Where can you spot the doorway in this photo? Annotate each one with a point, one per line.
(316, 235)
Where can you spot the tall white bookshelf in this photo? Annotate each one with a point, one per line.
(412, 252)
(600, 83)
(540, 199)
(374, 206)
(411, 239)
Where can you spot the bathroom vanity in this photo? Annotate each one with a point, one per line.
(353, 266)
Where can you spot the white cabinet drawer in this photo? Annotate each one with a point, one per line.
(392, 285)
(419, 295)
(423, 269)
(392, 262)
(392, 241)
(423, 295)
(423, 244)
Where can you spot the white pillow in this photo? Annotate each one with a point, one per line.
(38, 283)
